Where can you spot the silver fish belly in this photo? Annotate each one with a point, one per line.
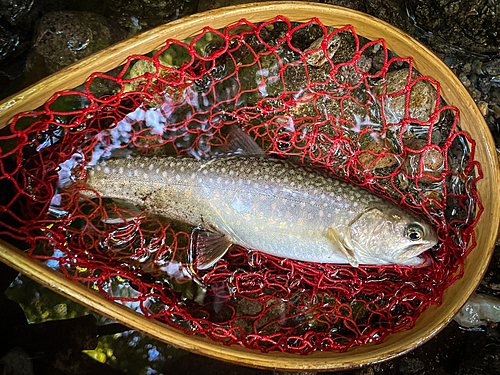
(270, 205)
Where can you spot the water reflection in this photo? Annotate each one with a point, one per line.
(128, 352)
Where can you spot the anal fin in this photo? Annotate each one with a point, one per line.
(207, 247)
(336, 243)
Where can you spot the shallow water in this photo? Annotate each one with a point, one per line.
(284, 144)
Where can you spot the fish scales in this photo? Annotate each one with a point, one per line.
(260, 203)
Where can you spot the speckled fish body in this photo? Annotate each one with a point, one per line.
(270, 205)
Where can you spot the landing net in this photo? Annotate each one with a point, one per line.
(314, 94)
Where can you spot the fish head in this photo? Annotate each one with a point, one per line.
(390, 235)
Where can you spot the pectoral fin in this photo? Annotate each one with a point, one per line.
(207, 248)
(336, 243)
(120, 211)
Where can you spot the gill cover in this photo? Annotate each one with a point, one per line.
(392, 236)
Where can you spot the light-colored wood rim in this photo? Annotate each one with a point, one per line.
(429, 323)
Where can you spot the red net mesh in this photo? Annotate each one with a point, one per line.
(297, 99)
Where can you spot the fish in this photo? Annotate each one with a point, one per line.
(267, 204)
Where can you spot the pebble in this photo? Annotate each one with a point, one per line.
(422, 101)
(492, 67)
(377, 146)
(483, 107)
(433, 164)
(496, 110)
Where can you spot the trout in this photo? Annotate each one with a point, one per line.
(270, 205)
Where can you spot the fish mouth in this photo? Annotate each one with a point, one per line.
(413, 251)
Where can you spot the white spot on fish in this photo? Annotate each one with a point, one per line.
(164, 174)
(151, 166)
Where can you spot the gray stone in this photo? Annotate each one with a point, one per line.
(16, 362)
(492, 67)
(422, 101)
(14, 10)
(8, 42)
(411, 365)
(63, 38)
(471, 25)
(139, 15)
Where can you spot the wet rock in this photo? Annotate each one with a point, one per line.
(8, 42)
(492, 67)
(352, 4)
(422, 101)
(411, 365)
(479, 310)
(472, 25)
(63, 38)
(366, 371)
(486, 362)
(137, 15)
(433, 161)
(14, 10)
(16, 362)
(347, 73)
(496, 110)
(491, 279)
(392, 11)
(374, 150)
(318, 58)
(204, 5)
(483, 107)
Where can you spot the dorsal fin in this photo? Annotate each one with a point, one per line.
(240, 143)
(237, 143)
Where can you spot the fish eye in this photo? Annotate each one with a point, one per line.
(414, 232)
